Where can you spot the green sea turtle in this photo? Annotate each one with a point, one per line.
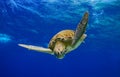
(64, 41)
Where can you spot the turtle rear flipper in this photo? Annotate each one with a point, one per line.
(81, 28)
(37, 48)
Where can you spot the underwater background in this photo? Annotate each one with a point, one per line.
(37, 21)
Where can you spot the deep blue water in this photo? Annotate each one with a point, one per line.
(36, 21)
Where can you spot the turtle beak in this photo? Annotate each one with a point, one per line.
(60, 55)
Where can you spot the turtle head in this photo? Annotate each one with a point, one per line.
(60, 50)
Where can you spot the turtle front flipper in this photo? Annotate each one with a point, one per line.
(37, 48)
(81, 28)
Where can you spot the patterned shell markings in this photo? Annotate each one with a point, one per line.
(65, 36)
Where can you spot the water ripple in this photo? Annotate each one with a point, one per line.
(4, 38)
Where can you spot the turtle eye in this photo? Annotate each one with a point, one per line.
(61, 52)
(65, 51)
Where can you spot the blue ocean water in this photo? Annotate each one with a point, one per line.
(36, 21)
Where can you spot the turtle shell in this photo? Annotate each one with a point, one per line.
(65, 36)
